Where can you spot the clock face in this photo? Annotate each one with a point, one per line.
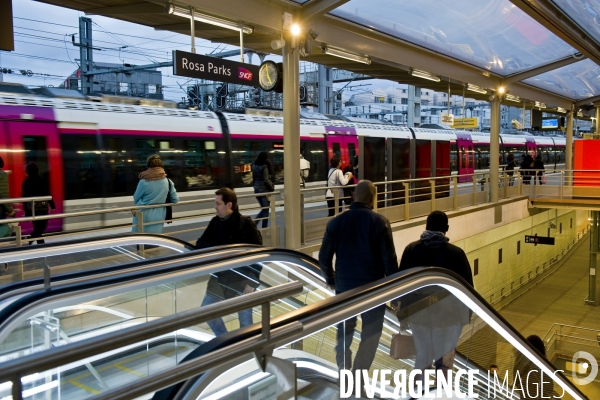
(268, 76)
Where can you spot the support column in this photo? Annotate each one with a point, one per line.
(594, 289)
(291, 143)
(569, 147)
(494, 148)
(86, 55)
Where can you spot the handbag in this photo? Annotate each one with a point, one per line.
(543, 179)
(169, 214)
(402, 347)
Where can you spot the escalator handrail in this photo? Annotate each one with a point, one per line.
(28, 304)
(82, 245)
(309, 315)
(29, 285)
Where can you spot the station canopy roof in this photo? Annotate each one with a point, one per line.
(545, 51)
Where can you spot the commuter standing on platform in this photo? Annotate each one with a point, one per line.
(335, 177)
(526, 165)
(36, 186)
(435, 316)
(364, 248)
(230, 227)
(538, 166)
(6, 209)
(510, 169)
(153, 188)
(261, 176)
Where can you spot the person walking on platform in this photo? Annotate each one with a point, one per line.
(335, 177)
(436, 317)
(154, 188)
(230, 227)
(526, 165)
(261, 176)
(538, 166)
(6, 209)
(363, 245)
(36, 186)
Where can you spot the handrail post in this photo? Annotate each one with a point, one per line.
(140, 220)
(406, 200)
(18, 235)
(474, 177)
(455, 193)
(535, 183)
(266, 320)
(375, 199)
(336, 200)
(432, 183)
(273, 218)
(302, 226)
(561, 188)
(520, 183)
(33, 208)
(505, 180)
(17, 389)
(487, 188)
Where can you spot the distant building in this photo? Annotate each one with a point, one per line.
(143, 83)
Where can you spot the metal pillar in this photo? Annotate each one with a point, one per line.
(494, 148)
(569, 146)
(86, 55)
(594, 289)
(413, 112)
(193, 30)
(325, 90)
(291, 143)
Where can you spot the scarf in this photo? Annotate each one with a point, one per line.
(153, 174)
(433, 239)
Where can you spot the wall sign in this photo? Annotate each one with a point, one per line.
(539, 240)
(216, 69)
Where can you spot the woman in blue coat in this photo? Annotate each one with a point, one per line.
(153, 188)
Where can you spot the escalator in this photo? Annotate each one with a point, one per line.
(473, 335)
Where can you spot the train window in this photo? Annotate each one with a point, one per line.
(122, 178)
(337, 152)
(316, 153)
(463, 156)
(244, 153)
(351, 151)
(453, 158)
(203, 164)
(81, 166)
(36, 151)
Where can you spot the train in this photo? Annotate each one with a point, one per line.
(92, 151)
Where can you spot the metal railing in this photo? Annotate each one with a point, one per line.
(14, 370)
(528, 276)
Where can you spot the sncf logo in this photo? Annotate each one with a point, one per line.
(244, 74)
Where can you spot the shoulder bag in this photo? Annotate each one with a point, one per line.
(169, 214)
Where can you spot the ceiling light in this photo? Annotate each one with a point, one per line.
(580, 113)
(501, 89)
(511, 97)
(425, 75)
(207, 19)
(561, 110)
(332, 51)
(540, 105)
(295, 29)
(477, 89)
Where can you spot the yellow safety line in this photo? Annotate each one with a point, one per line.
(171, 352)
(131, 371)
(84, 387)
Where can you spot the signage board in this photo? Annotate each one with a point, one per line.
(447, 118)
(539, 240)
(465, 123)
(215, 69)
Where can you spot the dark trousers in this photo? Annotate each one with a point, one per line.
(331, 206)
(264, 212)
(372, 325)
(38, 228)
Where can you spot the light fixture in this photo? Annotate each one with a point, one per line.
(580, 113)
(332, 51)
(501, 89)
(425, 75)
(477, 89)
(512, 97)
(561, 110)
(295, 29)
(540, 105)
(207, 19)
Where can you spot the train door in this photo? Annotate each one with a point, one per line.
(343, 146)
(37, 142)
(466, 156)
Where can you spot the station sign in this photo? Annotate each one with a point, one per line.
(447, 118)
(465, 123)
(539, 240)
(215, 69)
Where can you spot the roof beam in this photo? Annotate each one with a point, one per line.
(552, 18)
(544, 68)
(316, 8)
(138, 8)
(587, 101)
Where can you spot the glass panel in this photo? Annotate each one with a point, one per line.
(576, 81)
(110, 313)
(429, 333)
(36, 152)
(204, 164)
(584, 13)
(491, 34)
(82, 168)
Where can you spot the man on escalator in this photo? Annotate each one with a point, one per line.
(364, 248)
(230, 227)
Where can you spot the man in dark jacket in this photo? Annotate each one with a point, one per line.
(364, 248)
(230, 227)
(436, 317)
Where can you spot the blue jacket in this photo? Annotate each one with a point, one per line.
(362, 242)
(153, 192)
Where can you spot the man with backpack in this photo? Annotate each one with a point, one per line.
(230, 227)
